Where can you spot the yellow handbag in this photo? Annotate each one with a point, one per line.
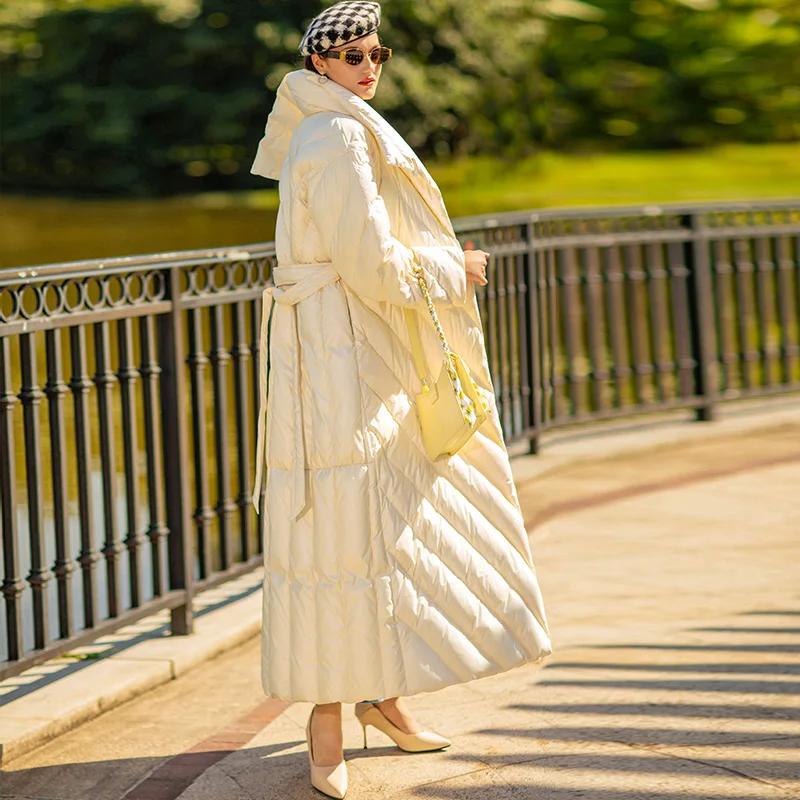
(454, 407)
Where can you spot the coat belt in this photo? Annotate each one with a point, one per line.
(292, 284)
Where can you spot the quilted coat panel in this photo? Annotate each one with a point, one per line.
(386, 573)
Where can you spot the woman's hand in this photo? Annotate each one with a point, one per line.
(475, 264)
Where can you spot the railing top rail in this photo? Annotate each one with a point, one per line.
(178, 258)
(601, 212)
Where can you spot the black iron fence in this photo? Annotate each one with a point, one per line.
(129, 387)
(599, 313)
(128, 394)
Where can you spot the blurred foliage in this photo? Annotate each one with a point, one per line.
(464, 81)
(118, 97)
(665, 73)
(123, 102)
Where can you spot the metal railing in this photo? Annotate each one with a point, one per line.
(128, 490)
(129, 387)
(597, 313)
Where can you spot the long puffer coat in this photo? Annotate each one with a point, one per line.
(385, 573)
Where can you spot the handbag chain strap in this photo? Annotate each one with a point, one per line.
(420, 276)
(467, 406)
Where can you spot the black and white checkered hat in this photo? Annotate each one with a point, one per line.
(340, 23)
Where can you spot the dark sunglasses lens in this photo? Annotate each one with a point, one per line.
(353, 57)
(379, 55)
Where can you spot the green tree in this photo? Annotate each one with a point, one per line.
(673, 73)
(467, 79)
(124, 102)
(126, 97)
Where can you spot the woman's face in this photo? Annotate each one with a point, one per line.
(361, 79)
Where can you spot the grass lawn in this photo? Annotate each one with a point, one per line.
(476, 185)
(485, 184)
(482, 185)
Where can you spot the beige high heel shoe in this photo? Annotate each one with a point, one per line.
(370, 714)
(331, 781)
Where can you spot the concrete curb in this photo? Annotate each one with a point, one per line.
(68, 701)
(82, 695)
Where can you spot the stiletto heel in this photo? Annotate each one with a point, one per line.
(331, 781)
(370, 714)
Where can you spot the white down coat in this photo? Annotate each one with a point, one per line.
(386, 574)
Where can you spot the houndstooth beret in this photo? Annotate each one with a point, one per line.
(350, 19)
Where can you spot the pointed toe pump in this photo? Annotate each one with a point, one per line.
(331, 781)
(370, 714)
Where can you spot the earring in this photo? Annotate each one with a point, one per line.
(322, 79)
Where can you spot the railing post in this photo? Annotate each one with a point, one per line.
(533, 343)
(174, 436)
(700, 310)
(12, 586)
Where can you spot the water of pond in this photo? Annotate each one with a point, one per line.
(47, 230)
(41, 474)
(73, 538)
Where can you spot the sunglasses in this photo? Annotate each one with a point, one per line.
(355, 56)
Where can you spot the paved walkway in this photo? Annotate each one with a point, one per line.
(672, 585)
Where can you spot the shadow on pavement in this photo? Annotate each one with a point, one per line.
(553, 742)
(602, 739)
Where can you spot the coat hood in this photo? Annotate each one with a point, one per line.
(301, 94)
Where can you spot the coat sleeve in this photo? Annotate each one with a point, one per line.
(348, 211)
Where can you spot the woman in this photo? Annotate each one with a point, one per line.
(387, 574)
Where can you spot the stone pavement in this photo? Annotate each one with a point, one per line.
(671, 580)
